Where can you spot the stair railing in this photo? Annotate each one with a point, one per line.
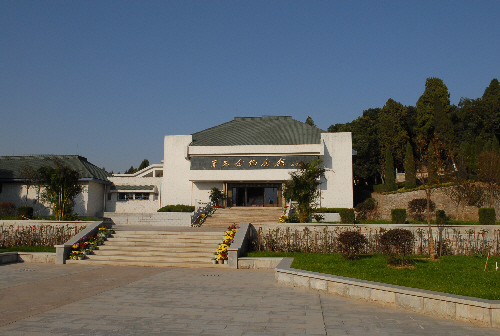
(203, 208)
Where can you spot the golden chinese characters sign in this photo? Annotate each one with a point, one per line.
(249, 162)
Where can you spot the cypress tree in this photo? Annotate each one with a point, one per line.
(390, 178)
(410, 172)
(431, 166)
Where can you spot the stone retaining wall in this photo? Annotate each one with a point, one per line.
(455, 307)
(443, 202)
(258, 263)
(28, 257)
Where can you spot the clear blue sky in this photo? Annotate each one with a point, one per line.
(109, 79)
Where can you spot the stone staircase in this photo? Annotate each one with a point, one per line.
(222, 218)
(157, 247)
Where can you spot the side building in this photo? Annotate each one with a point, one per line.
(14, 187)
(249, 159)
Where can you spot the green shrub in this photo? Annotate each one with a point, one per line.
(293, 218)
(177, 208)
(396, 244)
(441, 217)
(379, 188)
(347, 216)
(318, 217)
(418, 207)
(366, 209)
(398, 216)
(7, 208)
(351, 243)
(25, 212)
(487, 216)
(327, 210)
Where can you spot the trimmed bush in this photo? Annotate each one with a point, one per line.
(487, 216)
(177, 208)
(327, 210)
(366, 209)
(379, 188)
(351, 243)
(347, 216)
(293, 218)
(441, 217)
(398, 216)
(418, 207)
(25, 212)
(7, 209)
(396, 244)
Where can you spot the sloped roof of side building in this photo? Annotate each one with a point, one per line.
(11, 167)
(273, 130)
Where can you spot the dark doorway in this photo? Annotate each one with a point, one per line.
(254, 194)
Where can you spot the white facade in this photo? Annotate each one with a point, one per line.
(136, 193)
(184, 185)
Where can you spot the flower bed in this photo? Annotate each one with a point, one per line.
(87, 244)
(203, 217)
(221, 253)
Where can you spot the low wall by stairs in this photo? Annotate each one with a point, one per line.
(154, 218)
(27, 257)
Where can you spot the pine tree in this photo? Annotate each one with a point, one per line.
(310, 121)
(432, 177)
(410, 172)
(390, 179)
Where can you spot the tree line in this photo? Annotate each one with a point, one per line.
(455, 134)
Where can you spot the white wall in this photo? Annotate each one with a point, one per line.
(337, 189)
(201, 191)
(95, 201)
(176, 185)
(88, 203)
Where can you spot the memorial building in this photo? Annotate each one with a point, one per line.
(249, 159)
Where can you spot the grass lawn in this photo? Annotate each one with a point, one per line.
(28, 249)
(461, 275)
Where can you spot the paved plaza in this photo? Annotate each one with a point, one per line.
(44, 299)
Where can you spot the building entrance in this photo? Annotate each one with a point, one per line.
(254, 194)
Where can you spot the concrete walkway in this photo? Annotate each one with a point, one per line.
(44, 299)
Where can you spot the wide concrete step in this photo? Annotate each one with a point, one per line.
(181, 264)
(162, 244)
(153, 253)
(148, 248)
(120, 233)
(153, 240)
(206, 258)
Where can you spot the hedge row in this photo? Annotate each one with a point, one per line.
(177, 208)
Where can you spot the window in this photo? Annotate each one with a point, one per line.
(132, 196)
(125, 196)
(109, 196)
(142, 196)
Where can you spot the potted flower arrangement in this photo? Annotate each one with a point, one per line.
(76, 255)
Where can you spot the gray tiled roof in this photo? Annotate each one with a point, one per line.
(11, 166)
(259, 131)
(133, 187)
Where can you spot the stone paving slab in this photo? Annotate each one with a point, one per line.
(172, 301)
